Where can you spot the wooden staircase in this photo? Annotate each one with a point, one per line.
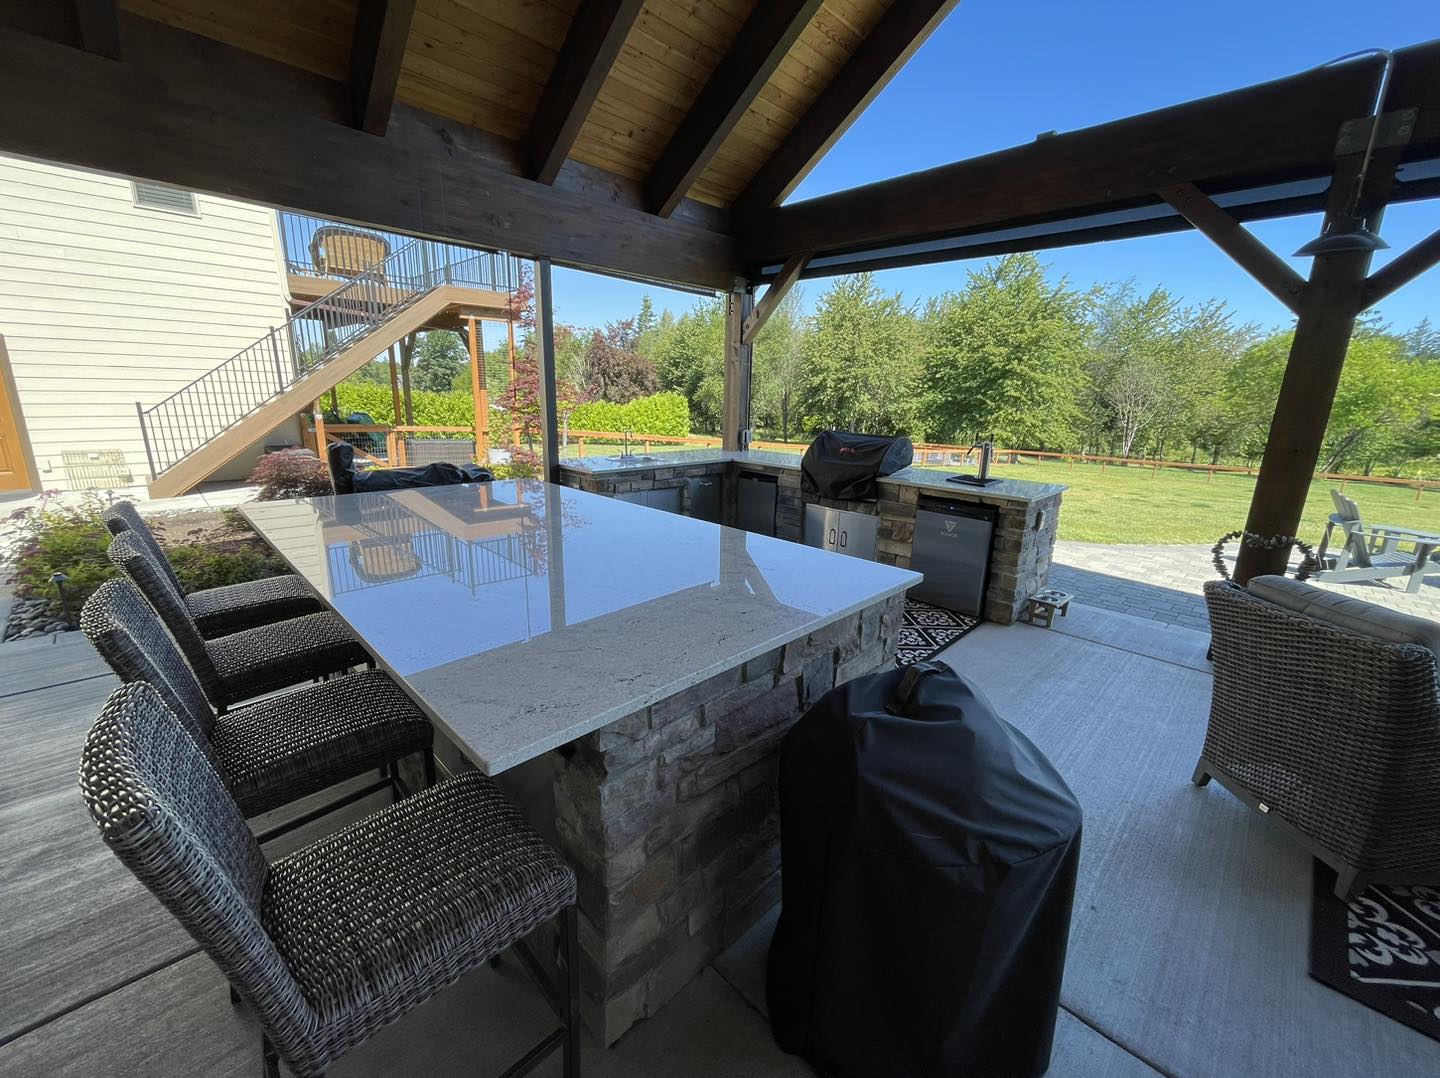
(200, 428)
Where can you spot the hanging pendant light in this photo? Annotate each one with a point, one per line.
(1349, 234)
(1343, 239)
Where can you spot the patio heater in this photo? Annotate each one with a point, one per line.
(1348, 233)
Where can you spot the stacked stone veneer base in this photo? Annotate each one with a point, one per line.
(670, 816)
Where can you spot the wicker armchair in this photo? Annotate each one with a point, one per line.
(229, 609)
(1326, 717)
(243, 665)
(333, 942)
(278, 750)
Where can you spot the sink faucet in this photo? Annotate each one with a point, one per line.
(624, 444)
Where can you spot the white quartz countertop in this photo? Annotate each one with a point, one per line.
(930, 480)
(522, 615)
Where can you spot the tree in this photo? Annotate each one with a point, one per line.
(1383, 401)
(779, 365)
(1005, 358)
(862, 369)
(618, 372)
(440, 360)
(689, 356)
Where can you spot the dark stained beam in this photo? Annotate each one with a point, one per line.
(900, 31)
(774, 296)
(753, 57)
(1403, 269)
(1269, 269)
(98, 23)
(591, 46)
(185, 110)
(382, 28)
(739, 365)
(1270, 133)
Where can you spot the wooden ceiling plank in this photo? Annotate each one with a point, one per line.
(201, 115)
(590, 49)
(1271, 271)
(757, 51)
(382, 30)
(883, 52)
(99, 24)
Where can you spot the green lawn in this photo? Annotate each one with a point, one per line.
(1127, 505)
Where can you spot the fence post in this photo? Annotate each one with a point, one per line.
(390, 447)
(145, 437)
(581, 443)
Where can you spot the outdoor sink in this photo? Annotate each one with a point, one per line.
(633, 458)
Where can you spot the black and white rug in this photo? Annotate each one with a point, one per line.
(928, 629)
(1382, 949)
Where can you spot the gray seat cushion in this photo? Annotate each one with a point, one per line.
(1347, 612)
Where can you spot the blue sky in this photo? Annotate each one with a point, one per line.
(998, 72)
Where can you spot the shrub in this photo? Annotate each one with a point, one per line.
(659, 413)
(55, 538)
(201, 566)
(291, 473)
(523, 464)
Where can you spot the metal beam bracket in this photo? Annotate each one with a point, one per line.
(1396, 128)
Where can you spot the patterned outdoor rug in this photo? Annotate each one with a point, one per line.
(1383, 949)
(928, 629)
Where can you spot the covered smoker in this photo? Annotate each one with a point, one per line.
(929, 853)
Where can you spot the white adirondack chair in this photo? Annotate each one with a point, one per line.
(1374, 551)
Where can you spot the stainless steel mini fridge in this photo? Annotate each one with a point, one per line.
(952, 549)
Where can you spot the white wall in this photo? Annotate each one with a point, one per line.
(104, 303)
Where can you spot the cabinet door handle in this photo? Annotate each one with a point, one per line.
(844, 538)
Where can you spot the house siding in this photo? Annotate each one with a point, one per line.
(104, 303)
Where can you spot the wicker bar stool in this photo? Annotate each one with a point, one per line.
(278, 750)
(346, 935)
(246, 664)
(228, 609)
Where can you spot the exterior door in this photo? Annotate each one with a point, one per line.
(14, 462)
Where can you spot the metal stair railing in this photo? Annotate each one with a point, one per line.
(218, 400)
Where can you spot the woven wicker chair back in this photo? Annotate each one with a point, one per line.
(129, 636)
(164, 812)
(131, 557)
(122, 517)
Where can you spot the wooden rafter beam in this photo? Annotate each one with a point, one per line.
(382, 27)
(98, 23)
(1403, 269)
(900, 31)
(202, 115)
(774, 296)
(1272, 133)
(753, 57)
(1272, 272)
(591, 46)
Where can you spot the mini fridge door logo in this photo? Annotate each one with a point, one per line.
(949, 527)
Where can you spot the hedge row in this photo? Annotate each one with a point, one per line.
(431, 409)
(659, 413)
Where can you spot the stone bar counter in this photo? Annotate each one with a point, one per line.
(639, 666)
(1021, 550)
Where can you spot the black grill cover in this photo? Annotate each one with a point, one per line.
(929, 852)
(347, 480)
(838, 464)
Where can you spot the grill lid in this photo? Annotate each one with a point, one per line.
(843, 465)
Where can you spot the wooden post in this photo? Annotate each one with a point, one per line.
(545, 348)
(334, 401)
(1332, 300)
(514, 418)
(480, 398)
(321, 450)
(395, 414)
(392, 453)
(738, 356)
